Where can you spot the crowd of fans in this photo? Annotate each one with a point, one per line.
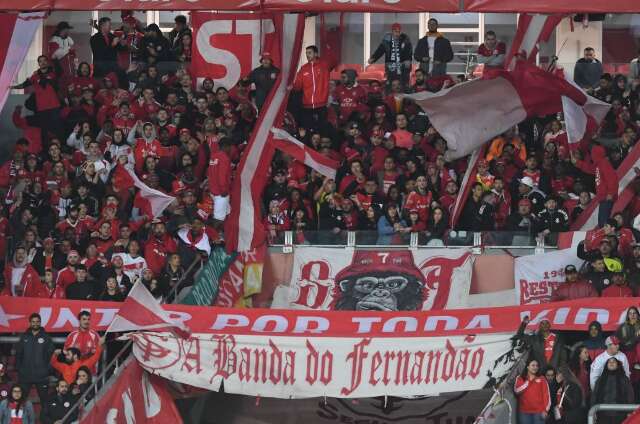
(567, 373)
(73, 225)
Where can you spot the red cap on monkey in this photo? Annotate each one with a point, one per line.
(368, 262)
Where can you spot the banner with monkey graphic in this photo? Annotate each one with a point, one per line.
(377, 280)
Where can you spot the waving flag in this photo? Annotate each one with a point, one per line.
(126, 177)
(296, 149)
(493, 104)
(141, 311)
(582, 121)
(533, 29)
(243, 227)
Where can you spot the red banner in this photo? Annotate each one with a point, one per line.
(135, 397)
(228, 46)
(363, 5)
(547, 6)
(130, 5)
(60, 316)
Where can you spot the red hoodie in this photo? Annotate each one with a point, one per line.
(313, 80)
(219, 173)
(606, 177)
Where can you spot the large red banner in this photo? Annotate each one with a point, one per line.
(547, 6)
(130, 5)
(228, 46)
(364, 5)
(60, 316)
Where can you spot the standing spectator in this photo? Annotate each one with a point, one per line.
(33, 351)
(71, 362)
(606, 180)
(613, 386)
(595, 341)
(84, 338)
(532, 390)
(219, 177)
(180, 29)
(528, 190)
(491, 52)
(63, 53)
(59, 404)
(588, 70)
(599, 277)
(82, 288)
(349, 95)
(552, 221)
(619, 286)
(263, 77)
(396, 49)
(522, 220)
(313, 80)
(105, 46)
(634, 68)
(546, 347)
(17, 409)
(433, 51)
(570, 403)
(44, 101)
(633, 268)
(5, 382)
(629, 335)
(573, 287)
(580, 366)
(600, 362)
(20, 278)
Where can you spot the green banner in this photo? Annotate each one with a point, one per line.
(205, 288)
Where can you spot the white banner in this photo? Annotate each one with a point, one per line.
(303, 367)
(381, 280)
(537, 275)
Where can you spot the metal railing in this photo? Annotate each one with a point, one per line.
(591, 419)
(111, 369)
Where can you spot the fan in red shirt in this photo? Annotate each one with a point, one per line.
(146, 107)
(618, 287)
(84, 338)
(147, 145)
(219, 178)
(532, 390)
(47, 288)
(349, 95)
(158, 247)
(67, 275)
(420, 199)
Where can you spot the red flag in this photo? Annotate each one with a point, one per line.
(243, 227)
(125, 176)
(513, 96)
(465, 185)
(135, 396)
(533, 29)
(141, 311)
(310, 157)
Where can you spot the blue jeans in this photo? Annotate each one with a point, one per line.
(604, 211)
(530, 418)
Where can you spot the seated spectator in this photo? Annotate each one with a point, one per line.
(59, 404)
(69, 362)
(573, 288)
(391, 227)
(16, 408)
(547, 348)
(619, 286)
(552, 220)
(111, 291)
(613, 386)
(629, 335)
(527, 190)
(532, 391)
(599, 276)
(633, 269)
(20, 278)
(600, 362)
(82, 288)
(491, 52)
(82, 382)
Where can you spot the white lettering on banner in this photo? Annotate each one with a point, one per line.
(303, 325)
(300, 367)
(537, 276)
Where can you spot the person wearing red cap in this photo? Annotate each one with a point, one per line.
(263, 77)
(433, 51)
(396, 48)
(313, 80)
(600, 361)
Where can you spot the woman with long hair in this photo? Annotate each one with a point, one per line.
(391, 226)
(16, 409)
(580, 366)
(613, 386)
(532, 390)
(570, 403)
(629, 334)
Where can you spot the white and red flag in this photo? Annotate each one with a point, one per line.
(493, 104)
(293, 147)
(16, 34)
(582, 121)
(141, 311)
(533, 29)
(158, 201)
(243, 227)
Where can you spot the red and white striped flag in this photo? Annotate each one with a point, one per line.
(588, 219)
(533, 29)
(582, 121)
(16, 34)
(243, 227)
(493, 104)
(295, 148)
(159, 201)
(141, 311)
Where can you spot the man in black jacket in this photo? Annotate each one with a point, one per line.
(546, 347)
(396, 48)
(264, 77)
(33, 352)
(59, 404)
(105, 46)
(433, 51)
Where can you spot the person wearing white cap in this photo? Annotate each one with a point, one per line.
(527, 190)
(612, 351)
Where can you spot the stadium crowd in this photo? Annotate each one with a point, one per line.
(74, 224)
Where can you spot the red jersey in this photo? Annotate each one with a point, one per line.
(156, 251)
(500, 48)
(144, 149)
(219, 173)
(420, 202)
(533, 395)
(313, 80)
(348, 99)
(617, 291)
(86, 341)
(535, 175)
(549, 343)
(66, 276)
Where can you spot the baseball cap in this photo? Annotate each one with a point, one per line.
(612, 340)
(396, 26)
(570, 268)
(528, 181)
